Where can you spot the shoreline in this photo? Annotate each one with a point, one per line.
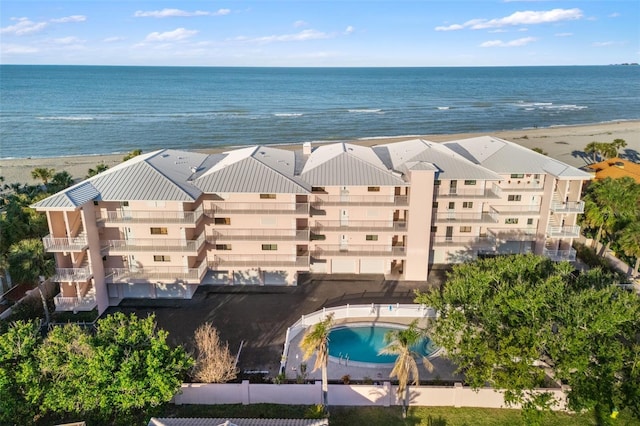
(562, 142)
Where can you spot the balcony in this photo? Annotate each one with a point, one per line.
(153, 245)
(222, 262)
(514, 234)
(220, 234)
(220, 208)
(517, 210)
(360, 226)
(493, 192)
(74, 275)
(74, 244)
(119, 217)
(461, 241)
(87, 302)
(567, 207)
(454, 216)
(329, 250)
(361, 200)
(156, 273)
(560, 255)
(563, 231)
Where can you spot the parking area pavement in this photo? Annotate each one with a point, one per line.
(260, 315)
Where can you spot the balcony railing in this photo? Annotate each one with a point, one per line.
(153, 244)
(560, 255)
(267, 234)
(75, 244)
(155, 273)
(455, 216)
(444, 192)
(257, 208)
(149, 216)
(360, 225)
(361, 200)
(325, 250)
(563, 231)
(73, 275)
(568, 207)
(514, 234)
(516, 210)
(258, 261)
(472, 242)
(87, 302)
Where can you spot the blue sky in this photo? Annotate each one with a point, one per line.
(320, 33)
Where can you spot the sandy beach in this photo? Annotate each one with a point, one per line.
(565, 143)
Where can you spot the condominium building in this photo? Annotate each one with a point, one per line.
(163, 223)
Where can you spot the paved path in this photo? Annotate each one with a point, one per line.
(260, 315)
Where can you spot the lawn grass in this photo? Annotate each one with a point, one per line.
(390, 416)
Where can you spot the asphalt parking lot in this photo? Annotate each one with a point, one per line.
(260, 315)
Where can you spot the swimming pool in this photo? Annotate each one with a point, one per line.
(363, 342)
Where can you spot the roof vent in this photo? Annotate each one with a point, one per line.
(619, 164)
(194, 169)
(306, 148)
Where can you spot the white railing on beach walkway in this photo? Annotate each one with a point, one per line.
(391, 310)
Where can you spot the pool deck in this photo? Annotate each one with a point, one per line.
(442, 368)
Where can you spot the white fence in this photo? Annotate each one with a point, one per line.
(383, 395)
(373, 311)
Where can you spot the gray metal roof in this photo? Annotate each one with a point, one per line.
(507, 157)
(256, 169)
(344, 164)
(449, 164)
(154, 421)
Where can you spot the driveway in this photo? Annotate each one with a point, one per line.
(260, 315)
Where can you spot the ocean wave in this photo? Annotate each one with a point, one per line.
(287, 114)
(367, 110)
(68, 118)
(443, 108)
(532, 106)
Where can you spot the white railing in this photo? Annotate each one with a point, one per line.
(360, 225)
(357, 250)
(150, 216)
(563, 231)
(364, 200)
(87, 302)
(154, 244)
(258, 260)
(568, 207)
(71, 275)
(515, 234)
(560, 255)
(120, 275)
(220, 234)
(374, 311)
(516, 209)
(449, 216)
(257, 208)
(78, 243)
(487, 241)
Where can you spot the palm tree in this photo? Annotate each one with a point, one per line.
(617, 144)
(400, 342)
(608, 150)
(593, 148)
(316, 341)
(629, 241)
(99, 169)
(43, 174)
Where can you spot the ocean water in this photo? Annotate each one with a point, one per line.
(50, 111)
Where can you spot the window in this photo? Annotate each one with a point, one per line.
(373, 189)
(434, 229)
(536, 176)
(452, 205)
(96, 203)
(124, 204)
(159, 231)
(434, 205)
(514, 198)
(437, 182)
(161, 258)
(469, 182)
(467, 205)
(511, 221)
(223, 246)
(267, 196)
(222, 221)
(530, 221)
(317, 189)
(371, 238)
(465, 229)
(517, 176)
(269, 247)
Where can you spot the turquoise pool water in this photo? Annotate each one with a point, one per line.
(361, 343)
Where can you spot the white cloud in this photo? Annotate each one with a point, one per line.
(499, 30)
(67, 40)
(166, 13)
(349, 30)
(113, 39)
(300, 23)
(527, 17)
(614, 15)
(512, 43)
(563, 34)
(301, 36)
(16, 49)
(603, 43)
(23, 26)
(175, 35)
(73, 18)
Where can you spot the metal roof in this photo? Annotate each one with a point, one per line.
(154, 421)
(344, 164)
(507, 157)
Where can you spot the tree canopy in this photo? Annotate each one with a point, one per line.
(124, 368)
(516, 322)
